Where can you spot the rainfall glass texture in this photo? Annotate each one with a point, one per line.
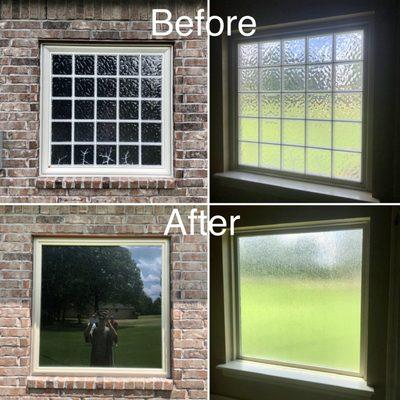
(312, 87)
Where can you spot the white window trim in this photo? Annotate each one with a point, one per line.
(276, 371)
(163, 372)
(163, 171)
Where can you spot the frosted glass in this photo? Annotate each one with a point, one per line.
(270, 79)
(347, 166)
(248, 80)
(270, 53)
(294, 51)
(270, 156)
(319, 133)
(319, 77)
(293, 105)
(293, 132)
(248, 129)
(248, 55)
(318, 162)
(293, 159)
(271, 105)
(320, 49)
(348, 76)
(248, 105)
(300, 297)
(248, 154)
(347, 106)
(271, 130)
(319, 106)
(347, 136)
(349, 46)
(294, 78)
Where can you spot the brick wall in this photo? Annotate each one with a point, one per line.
(23, 23)
(188, 290)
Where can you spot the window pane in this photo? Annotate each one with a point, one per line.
(293, 159)
(270, 53)
(320, 49)
(294, 51)
(270, 79)
(349, 46)
(347, 166)
(318, 162)
(271, 130)
(319, 78)
(319, 134)
(248, 154)
(248, 129)
(300, 297)
(293, 132)
(248, 55)
(270, 156)
(101, 306)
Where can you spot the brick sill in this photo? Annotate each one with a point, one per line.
(104, 183)
(99, 383)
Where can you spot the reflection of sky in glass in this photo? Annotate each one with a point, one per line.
(149, 260)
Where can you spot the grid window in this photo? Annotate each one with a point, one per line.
(107, 109)
(300, 105)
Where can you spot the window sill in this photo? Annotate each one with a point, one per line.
(97, 383)
(278, 184)
(104, 183)
(316, 380)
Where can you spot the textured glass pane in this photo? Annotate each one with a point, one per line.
(151, 109)
(248, 154)
(106, 132)
(84, 65)
(270, 156)
(349, 46)
(270, 79)
(319, 133)
(84, 87)
(319, 106)
(60, 154)
(300, 297)
(248, 80)
(293, 132)
(106, 155)
(248, 129)
(62, 87)
(319, 77)
(62, 64)
(293, 159)
(318, 162)
(270, 53)
(348, 106)
(347, 166)
(294, 51)
(129, 132)
(84, 131)
(84, 154)
(271, 105)
(348, 76)
(248, 55)
(84, 109)
(347, 136)
(107, 65)
(293, 105)
(128, 109)
(151, 87)
(129, 87)
(248, 105)
(61, 131)
(320, 49)
(129, 65)
(294, 78)
(61, 109)
(151, 155)
(128, 155)
(106, 87)
(151, 65)
(107, 109)
(151, 132)
(271, 130)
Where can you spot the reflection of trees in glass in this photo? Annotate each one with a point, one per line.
(82, 278)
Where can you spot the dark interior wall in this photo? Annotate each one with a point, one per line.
(381, 231)
(386, 66)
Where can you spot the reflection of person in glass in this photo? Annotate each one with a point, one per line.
(102, 335)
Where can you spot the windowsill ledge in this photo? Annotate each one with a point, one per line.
(97, 383)
(279, 184)
(316, 380)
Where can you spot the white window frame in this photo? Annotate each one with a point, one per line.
(237, 365)
(162, 171)
(36, 369)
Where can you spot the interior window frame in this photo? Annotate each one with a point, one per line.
(296, 29)
(38, 243)
(165, 170)
(232, 292)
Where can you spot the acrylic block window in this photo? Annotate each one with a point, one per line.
(101, 305)
(300, 105)
(300, 296)
(106, 110)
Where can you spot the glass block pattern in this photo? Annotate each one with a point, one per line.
(300, 105)
(106, 109)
